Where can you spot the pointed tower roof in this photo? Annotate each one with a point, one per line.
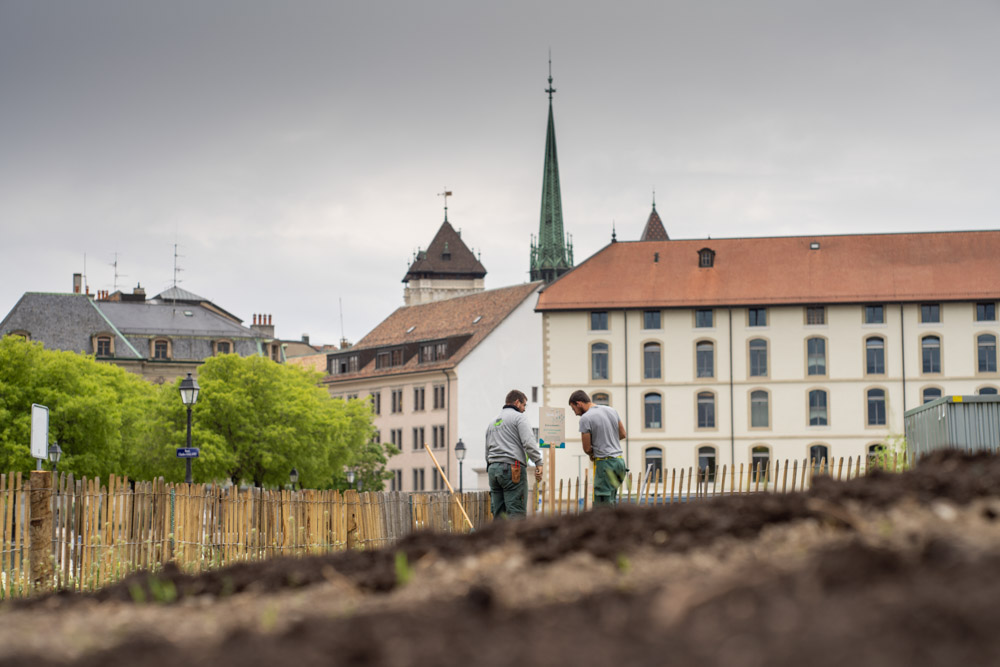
(552, 253)
(654, 230)
(446, 257)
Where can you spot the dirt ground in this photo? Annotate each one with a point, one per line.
(884, 570)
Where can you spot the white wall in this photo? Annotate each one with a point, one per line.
(509, 358)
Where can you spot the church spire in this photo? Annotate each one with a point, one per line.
(552, 254)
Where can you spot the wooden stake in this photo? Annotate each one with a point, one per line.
(448, 484)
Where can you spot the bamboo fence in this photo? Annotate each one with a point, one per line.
(101, 533)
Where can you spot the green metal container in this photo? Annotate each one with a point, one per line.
(968, 423)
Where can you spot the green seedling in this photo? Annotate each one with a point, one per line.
(403, 570)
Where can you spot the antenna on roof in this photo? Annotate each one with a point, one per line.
(445, 194)
(177, 269)
(614, 236)
(343, 338)
(654, 197)
(117, 275)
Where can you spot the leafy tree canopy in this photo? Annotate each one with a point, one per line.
(97, 412)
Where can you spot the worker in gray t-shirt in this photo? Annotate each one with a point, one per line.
(601, 429)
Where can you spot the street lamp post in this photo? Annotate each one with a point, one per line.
(189, 396)
(460, 455)
(350, 477)
(294, 476)
(55, 453)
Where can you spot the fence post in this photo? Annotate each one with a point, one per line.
(40, 531)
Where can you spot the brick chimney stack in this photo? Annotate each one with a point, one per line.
(77, 283)
(262, 325)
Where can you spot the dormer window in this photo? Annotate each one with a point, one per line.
(104, 346)
(161, 348)
(446, 255)
(706, 258)
(433, 352)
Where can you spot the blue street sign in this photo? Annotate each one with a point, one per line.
(187, 452)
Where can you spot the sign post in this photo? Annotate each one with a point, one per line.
(39, 434)
(188, 453)
(552, 434)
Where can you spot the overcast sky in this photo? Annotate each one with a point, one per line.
(295, 150)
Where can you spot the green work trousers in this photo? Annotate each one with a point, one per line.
(608, 476)
(508, 500)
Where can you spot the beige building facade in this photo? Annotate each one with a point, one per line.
(702, 384)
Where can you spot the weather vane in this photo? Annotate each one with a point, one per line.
(550, 89)
(445, 194)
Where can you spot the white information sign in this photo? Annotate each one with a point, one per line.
(39, 431)
(552, 427)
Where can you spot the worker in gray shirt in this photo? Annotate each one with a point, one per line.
(601, 429)
(509, 444)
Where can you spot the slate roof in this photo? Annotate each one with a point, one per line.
(63, 322)
(859, 268)
(447, 257)
(176, 294)
(171, 319)
(471, 317)
(654, 230)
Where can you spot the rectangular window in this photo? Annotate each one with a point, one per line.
(816, 315)
(703, 319)
(758, 358)
(160, 349)
(534, 394)
(397, 401)
(426, 353)
(382, 360)
(441, 442)
(599, 361)
(986, 312)
(930, 312)
(930, 352)
(223, 347)
(418, 479)
(438, 480)
(439, 397)
(599, 320)
(876, 407)
(377, 403)
(651, 319)
(418, 437)
(706, 410)
(817, 408)
(418, 398)
(377, 437)
(396, 483)
(759, 413)
(104, 346)
(874, 315)
(396, 435)
(757, 317)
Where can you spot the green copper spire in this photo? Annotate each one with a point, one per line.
(551, 252)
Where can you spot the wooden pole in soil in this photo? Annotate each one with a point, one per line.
(40, 532)
(448, 484)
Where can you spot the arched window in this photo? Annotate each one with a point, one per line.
(705, 359)
(601, 399)
(931, 393)
(654, 457)
(986, 344)
(706, 410)
(876, 407)
(758, 357)
(930, 350)
(987, 391)
(759, 409)
(653, 406)
(651, 361)
(599, 361)
(760, 458)
(819, 458)
(706, 464)
(875, 356)
(816, 356)
(818, 415)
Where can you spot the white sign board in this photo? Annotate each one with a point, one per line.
(552, 427)
(39, 431)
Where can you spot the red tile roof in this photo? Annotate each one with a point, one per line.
(860, 268)
(474, 316)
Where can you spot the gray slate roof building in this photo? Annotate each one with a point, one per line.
(160, 339)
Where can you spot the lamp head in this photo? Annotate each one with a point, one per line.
(189, 390)
(55, 452)
(294, 475)
(460, 450)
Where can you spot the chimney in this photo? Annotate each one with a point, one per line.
(305, 338)
(77, 283)
(262, 325)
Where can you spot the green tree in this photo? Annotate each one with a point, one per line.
(97, 412)
(255, 420)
